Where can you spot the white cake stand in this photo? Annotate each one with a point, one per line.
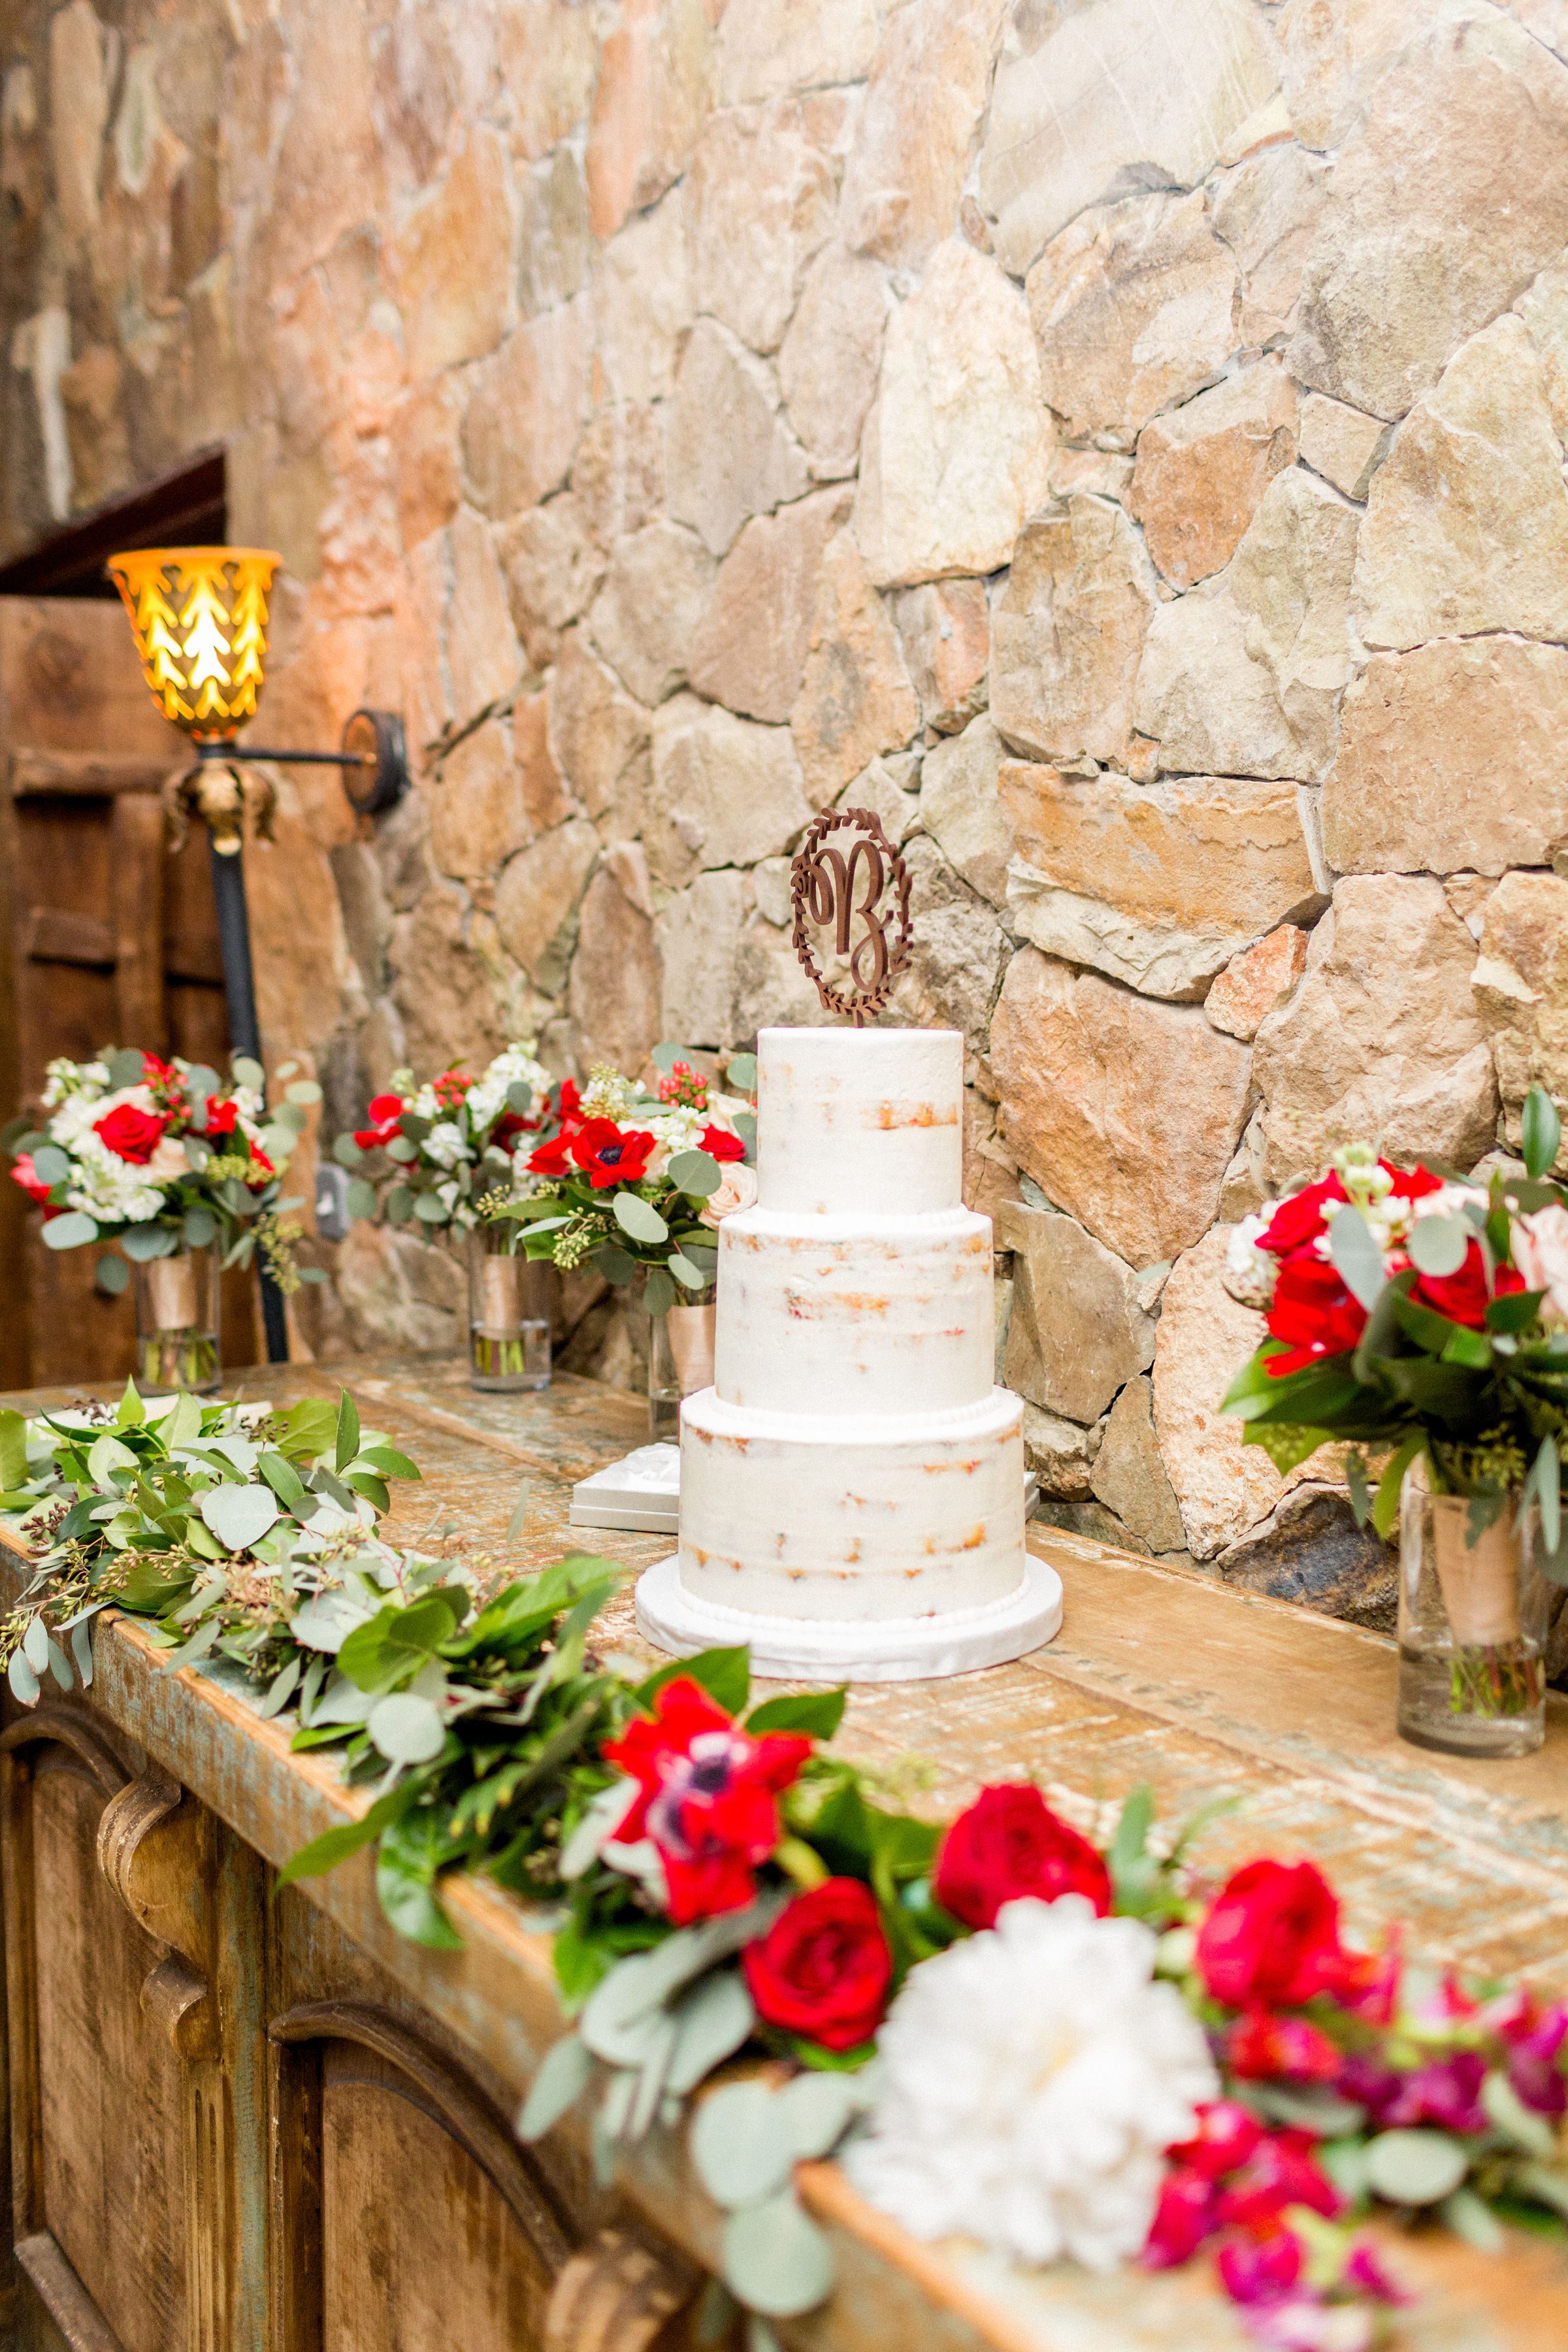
(892, 1650)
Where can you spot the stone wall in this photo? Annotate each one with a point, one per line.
(1122, 441)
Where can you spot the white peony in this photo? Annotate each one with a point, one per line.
(1541, 1253)
(1249, 1272)
(1033, 2076)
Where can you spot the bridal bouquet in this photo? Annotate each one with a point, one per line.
(163, 1157)
(637, 1184)
(432, 1153)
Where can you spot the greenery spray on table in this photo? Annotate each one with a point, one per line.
(1422, 1319)
(1001, 2028)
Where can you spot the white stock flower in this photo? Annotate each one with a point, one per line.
(66, 1079)
(445, 1144)
(109, 1188)
(1033, 2076)
(1249, 1272)
(487, 1095)
(1540, 1255)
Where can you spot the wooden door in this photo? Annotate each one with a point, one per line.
(104, 938)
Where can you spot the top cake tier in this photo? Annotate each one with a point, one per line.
(859, 1120)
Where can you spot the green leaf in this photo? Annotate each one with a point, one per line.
(1470, 2217)
(745, 1127)
(387, 1460)
(741, 2145)
(665, 1056)
(1548, 1477)
(239, 1516)
(283, 1479)
(741, 1074)
(1470, 1348)
(200, 1227)
(658, 1291)
(308, 1428)
(347, 1431)
(1542, 1131)
(13, 1448)
(1361, 1493)
(24, 1682)
(71, 1232)
(817, 1714)
(51, 1164)
(1515, 1312)
(639, 1218)
(711, 2024)
(333, 1847)
(775, 2258)
(1517, 2122)
(565, 2074)
(1132, 1839)
(396, 1642)
(689, 1276)
(1354, 1248)
(1416, 2168)
(245, 1071)
(346, 1152)
(1285, 1443)
(408, 1898)
(143, 1244)
(697, 1172)
(407, 1729)
(724, 1675)
(126, 1068)
(429, 1208)
(359, 1199)
(1439, 1246)
(110, 1276)
(303, 1090)
(1385, 1506)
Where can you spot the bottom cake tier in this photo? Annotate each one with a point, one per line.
(875, 1546)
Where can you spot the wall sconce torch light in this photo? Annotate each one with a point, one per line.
(199, 614)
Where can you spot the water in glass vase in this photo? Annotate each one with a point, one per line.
(509, 1314)
(1473, 1620)
(177, 1327)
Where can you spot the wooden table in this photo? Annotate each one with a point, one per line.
(248, 2124)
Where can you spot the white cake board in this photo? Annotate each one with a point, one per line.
(895, 1650)
(641, 1492)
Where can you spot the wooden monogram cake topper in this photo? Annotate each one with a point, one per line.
(842, 885)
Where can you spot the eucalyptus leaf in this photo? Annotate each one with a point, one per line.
(1439, 1246)
(564, 2075)
(741, 1073)
(35, 1645)
(81, 1650)
(697, 1172)
(107, 1453)
(240, 1515)
(665, 1055)
(24, 1682)
(398, 1148)
(126, 1068)
(1517, 2122)
(346, 1152)
(431, 1209)
(818, 2110)
(199, 1228)
(689, 1276)
(640, 1218)
(658, 1291)
(71, 1231)
(359, 1199)
(405, 1729)
(248, 1072)
(59, 1667)
(51, 1164)
(711, 2024)
(198, 1150)
(303, 1090)
(399, 1205)
(279, 1690)
(743, 2147)
(776, 2259)
(1356, 1254)
(1416, 2168)
(602, 1817)
(1470, 2217)
(616, 1265)
(143, 1244)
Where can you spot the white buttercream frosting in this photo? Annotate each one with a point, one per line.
(860, 1121)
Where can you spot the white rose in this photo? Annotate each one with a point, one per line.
(1249, 1272)
(1541, 1253)
(737, 1190)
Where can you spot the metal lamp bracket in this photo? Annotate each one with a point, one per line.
(371, 756)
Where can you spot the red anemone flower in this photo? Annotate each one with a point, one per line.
(608, 1154)
(385, 1110)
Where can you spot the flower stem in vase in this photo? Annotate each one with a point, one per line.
(1472, 1626)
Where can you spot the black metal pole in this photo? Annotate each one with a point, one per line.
(245, 1034)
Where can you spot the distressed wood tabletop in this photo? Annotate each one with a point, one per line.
(1157, 1676)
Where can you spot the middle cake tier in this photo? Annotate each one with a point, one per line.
(855, 1314)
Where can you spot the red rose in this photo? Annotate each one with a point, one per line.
(1313, 1313)
(553, 1159)
(133, 1135)
(568, 1102)
(1010, 1843)
(508, 1127)
(1272, 1937)
(708, 1797)
(824, 1967)
(385, 1110)
(720, 1145)
(1262, 2048)
(608, 1154)
(1183, 2219)
(32, 1183)
(1281, 2171)
(1225, 2137)
(1410, 1183)
(1298, 1222)
(1463, 1296)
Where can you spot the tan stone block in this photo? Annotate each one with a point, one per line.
(1466, 517)
(1415, 251)
(958, 951)
(554, 241)
(1133, 312)
(79, 75)
(698, 932)
(829, 360)
(958, 447)
(854, 698)
(724, 791)
(878, 789)
(484, 661)
(1059, 1453)
(1067, 633)
(1520, 987)
(613, 990)
(441, 988)
(420, 596)
(476, 816)
(944, 628)
(538, 890)
(1255, 981)
(763, 199)
(326, 174)
(1158, 885)
(1343, 445)
(553, 566)
(771, 990)
(749, 647)
(728, 452)
(917, 126)
(1452, 757)
(1100, 472)
(1129, 1477)
(526, 407)
(768, 46)
(1381, 1041)
(1223, 1486)
(450, 262)
(642, 301)
(1543, 307)
(599, 738)
(1124, 1112)
(1202, 469)
(644, 617)
(1292, 578)
(649, 102)
(424, 435)
(1078, 1332)
(1166, 88)
(546, 52)
(960, 809)
(91, 393)
(1211, 708)
(1266, 211)
(1334, 53)
(617, 473)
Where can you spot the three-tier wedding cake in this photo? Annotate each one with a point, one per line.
(852, 1484)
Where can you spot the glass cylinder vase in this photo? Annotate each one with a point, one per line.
(1474, 1615)
(509, 1312)
(680, 1359)
(177, 1322)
